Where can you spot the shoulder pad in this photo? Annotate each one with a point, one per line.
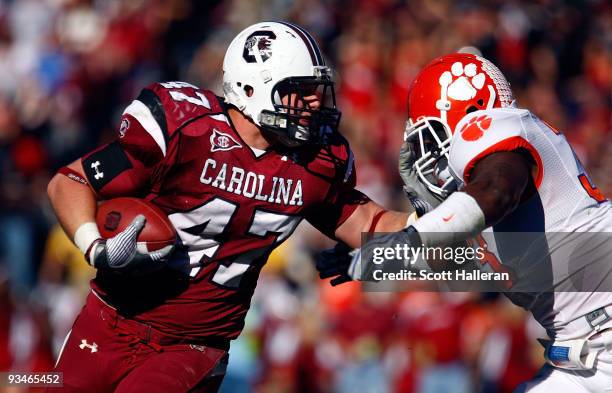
(163, 108)
(178, 103)
(485, 132)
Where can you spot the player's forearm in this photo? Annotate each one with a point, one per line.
(391, 221)
(74, 203)
(370, 217)
(75, 206)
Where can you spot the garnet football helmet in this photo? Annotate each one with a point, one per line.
(443, 92)
(268, 68)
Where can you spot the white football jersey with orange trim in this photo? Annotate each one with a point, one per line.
(565, 202)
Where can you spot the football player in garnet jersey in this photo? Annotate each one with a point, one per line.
(235, 175)
(477, 165)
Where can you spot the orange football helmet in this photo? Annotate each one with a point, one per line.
(444, 92)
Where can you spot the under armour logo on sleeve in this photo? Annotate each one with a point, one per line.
(99, 174)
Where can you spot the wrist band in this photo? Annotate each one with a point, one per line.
(86, 235)
(457, 218)
(412, 218)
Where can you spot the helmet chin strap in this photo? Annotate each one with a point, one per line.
(296, 134)
(271, 119)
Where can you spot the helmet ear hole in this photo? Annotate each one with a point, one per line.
(471, 109)
(248, 90)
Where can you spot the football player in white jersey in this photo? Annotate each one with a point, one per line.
(473, 163)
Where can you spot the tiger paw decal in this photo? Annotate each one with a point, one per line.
(463, 82)
(475, 128)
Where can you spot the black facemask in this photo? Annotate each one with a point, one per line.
(294, 124)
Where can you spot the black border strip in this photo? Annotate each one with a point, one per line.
(311, 44)
(153, 102)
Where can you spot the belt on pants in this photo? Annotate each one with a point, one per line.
(148, 334)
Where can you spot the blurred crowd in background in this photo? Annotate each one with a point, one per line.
(68, 68)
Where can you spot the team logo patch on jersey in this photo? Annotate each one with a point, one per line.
(220, 141)
(257, 47)
(475, 128)
(125, 124)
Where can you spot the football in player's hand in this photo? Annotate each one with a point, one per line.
(115, 214)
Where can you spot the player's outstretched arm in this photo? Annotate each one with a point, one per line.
(497, 185)
(495, 188)
(366, 218)
(369, 217)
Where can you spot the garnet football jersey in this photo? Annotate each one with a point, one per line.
(231, 205)
(565, 202)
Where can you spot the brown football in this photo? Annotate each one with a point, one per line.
(115, 214)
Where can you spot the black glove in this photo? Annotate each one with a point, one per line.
(334, 262)
(346, 264)
(121, 253)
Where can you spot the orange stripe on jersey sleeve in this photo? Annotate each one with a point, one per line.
(509, 144)
(593, 191)
(553, 129)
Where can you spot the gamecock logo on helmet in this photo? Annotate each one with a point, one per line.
(257, 47)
